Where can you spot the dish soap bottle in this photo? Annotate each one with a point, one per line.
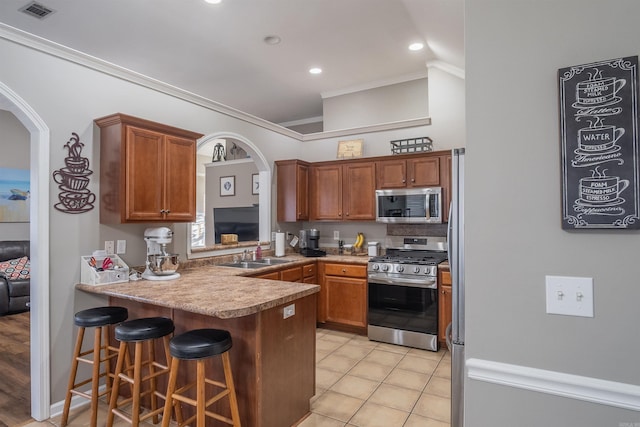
(259, 252)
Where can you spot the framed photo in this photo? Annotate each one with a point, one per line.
(255, 184)
(350, 149)
(227, 185)
(15, 196)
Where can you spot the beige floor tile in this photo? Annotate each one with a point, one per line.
(432, 406)
(418, 421)
(433, 355)
(325, 378)
(439, 386)
(338, 336)
(385, 358)
(353, 351)
(336, 405)
(319, 392)
(395, 397)
(363, 341)
(337, 363)
(373, 415)
(327, 345)
(443, 370)
(37, 424)
(418, 364)
(317, 420)
(321, 354)
(357, 387)
(371, 371)
(392, 348)
(408, 379)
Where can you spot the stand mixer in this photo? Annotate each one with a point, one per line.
(160, 265)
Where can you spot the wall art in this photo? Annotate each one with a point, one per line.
(227, 186)
(15, 195)
(599, 137)
(73, 180)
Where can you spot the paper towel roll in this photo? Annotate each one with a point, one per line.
(280, 241)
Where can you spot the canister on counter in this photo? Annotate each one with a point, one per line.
(373, 248)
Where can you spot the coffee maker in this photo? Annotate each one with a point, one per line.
(310, 243)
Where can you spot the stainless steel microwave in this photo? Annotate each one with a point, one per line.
(415, 205)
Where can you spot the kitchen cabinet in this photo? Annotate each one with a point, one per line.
(408, 173)
(343, 296)
(342, 192)
(444, 303)
(301, 273)
(309, 274)
(292, 187)
(147, 171)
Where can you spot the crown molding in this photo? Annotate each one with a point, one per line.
(446, 67)
(382, 127)
(376, 84)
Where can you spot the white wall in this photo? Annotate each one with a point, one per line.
(514, 236)
(401, 101)
(14, 143)
(446, 109)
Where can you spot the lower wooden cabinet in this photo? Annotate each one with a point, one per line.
(343, 295)
(301, 273)
(444, 303)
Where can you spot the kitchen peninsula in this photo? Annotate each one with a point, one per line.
(273, 357)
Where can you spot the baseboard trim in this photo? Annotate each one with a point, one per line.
(76, 403)
(594, 390)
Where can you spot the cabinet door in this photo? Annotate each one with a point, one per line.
(424, 172)
(180, 179)
(292, 189)
(326, 192)
(293, 274)
(359, 181)
(346, 300)
(302, 189)
(144, 179)
(391, 174)
(274, 275)
(444, 312)
(309, 273)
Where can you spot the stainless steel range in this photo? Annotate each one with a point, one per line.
(403, 292)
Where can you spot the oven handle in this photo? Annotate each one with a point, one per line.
(404, 282)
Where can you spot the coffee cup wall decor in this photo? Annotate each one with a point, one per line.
(599, 138)
(73, 180)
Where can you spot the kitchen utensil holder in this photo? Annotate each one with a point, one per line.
(90, 276)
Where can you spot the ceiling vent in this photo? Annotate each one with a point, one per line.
(37, 10)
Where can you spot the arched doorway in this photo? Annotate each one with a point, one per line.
(39, 235)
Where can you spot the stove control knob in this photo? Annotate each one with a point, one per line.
(416, 269)
(375, 267)
(399, 269)
(385, 267)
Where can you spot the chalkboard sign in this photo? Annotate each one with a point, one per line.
(599, 136)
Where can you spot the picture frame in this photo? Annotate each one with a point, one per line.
(350, 149)
(227, 186)
(255, 183)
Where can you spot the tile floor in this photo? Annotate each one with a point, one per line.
(360, 383)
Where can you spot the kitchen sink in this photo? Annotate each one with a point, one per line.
(243, 264)
(271, 261)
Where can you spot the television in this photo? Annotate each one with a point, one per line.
(243, 221)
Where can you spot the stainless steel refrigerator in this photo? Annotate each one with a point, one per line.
(455, 331)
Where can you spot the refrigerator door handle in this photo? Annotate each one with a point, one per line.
(449, 230)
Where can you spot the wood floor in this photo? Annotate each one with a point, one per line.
(15, 400)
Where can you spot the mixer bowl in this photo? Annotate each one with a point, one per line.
(163, 265)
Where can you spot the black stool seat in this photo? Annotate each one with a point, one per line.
(100, 316)
(144, 329)
(200, 343)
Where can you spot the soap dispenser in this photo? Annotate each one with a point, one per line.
(259, 252)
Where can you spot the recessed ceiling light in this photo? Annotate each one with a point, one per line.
(416, 46)
(272, 40)
(315, 70)
(213, 1)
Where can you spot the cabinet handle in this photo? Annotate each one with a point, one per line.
(344, 270)
(404, 181)
(413, 180)
(162, 211)
(347, 214)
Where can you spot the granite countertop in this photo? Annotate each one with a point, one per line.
(223, 292)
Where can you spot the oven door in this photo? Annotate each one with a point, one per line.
(404, 307)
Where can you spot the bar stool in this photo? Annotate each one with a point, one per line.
(200, 345)
(100, 318)
(140, 331)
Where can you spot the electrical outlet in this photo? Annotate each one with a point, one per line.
(336, 235)
(571, 296)
(121, 247)
(289, 311)
(108, 246)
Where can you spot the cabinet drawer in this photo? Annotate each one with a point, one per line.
(446, 278)
(271, 276)
(309, 270)
(293, 274)
(345, 270)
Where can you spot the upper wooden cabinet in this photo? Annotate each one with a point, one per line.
(147, 171)
(407, 173)
(342, 191)
(292, 187)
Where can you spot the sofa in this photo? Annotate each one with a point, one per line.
(15, 282)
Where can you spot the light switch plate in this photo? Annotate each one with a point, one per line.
(571, 296)
(108, 247)
(121, 247)
(336, 235)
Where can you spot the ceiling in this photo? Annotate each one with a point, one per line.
(218, 51)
